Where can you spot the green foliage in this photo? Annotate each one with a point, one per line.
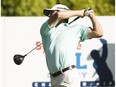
(35, 7)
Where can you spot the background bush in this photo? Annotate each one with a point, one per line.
(35, 7)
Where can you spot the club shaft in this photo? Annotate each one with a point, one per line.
(41, 43)
(74, 19)
(33, 49)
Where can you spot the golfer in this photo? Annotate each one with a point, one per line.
(60, 41)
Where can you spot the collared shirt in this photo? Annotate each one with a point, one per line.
(60, 44)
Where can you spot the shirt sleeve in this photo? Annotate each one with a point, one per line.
(44, 29)
(84, 33)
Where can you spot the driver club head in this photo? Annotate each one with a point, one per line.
(18, 59)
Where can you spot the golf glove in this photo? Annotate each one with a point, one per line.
(88, 11)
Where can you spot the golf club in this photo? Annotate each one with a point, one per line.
(18, 59)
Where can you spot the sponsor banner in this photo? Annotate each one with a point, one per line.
(83, 84)
(95, 58)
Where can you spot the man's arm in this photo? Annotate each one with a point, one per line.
(96, 31)
(57, 16)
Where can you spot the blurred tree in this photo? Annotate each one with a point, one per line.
(35, 7)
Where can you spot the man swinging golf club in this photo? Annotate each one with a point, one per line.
(60, 41)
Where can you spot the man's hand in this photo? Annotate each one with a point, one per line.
(87, 12)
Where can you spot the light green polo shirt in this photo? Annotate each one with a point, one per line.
(60, 44)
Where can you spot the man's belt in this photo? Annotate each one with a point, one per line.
(63, 70)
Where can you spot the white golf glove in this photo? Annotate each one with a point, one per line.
(88, 11)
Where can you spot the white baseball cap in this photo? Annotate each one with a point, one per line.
(57, 7)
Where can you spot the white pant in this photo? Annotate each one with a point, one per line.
(69, 78)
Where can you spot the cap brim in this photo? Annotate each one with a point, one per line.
(47, 11)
